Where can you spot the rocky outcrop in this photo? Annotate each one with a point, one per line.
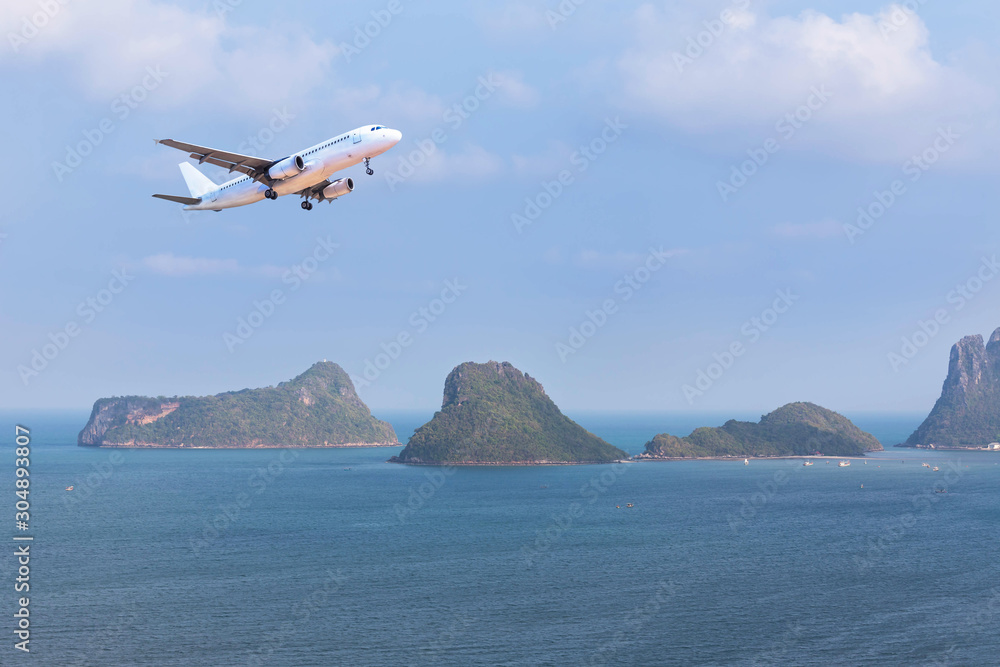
(968, 412)
(111, 412)
(319, 408)
(796, 429)
(493, 414)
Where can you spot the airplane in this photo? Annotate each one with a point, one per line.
(305, 173)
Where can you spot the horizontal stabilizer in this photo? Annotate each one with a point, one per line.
(190, 201)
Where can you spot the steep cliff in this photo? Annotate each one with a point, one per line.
(968, 412)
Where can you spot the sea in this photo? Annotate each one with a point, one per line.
(336, 557)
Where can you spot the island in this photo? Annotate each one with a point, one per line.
(967, 414)
(493, 414)
(319, 408)
(796, 429)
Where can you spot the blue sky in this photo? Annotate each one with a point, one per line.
(709, 199)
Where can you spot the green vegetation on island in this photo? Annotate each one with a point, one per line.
(317, 409)
(967, 415)
(797, 429)
(493, 413)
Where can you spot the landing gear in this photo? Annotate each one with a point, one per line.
(368, 168)
(307, 206)
(270, 194)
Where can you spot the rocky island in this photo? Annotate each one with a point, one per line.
(796, 429)
(967, 415)
(493, 414)
(317, 409)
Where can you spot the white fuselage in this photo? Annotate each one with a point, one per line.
(321, 161)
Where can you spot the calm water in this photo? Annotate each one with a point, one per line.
(337, 558)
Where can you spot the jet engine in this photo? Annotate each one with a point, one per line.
(338, 188)
(287, 168)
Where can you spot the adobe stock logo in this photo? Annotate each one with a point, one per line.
(363, 35)
(32, 25)
(751, 332)
(958, 298)
(786, 128)
(264, 309)
(899, 15)
(419, 322)
(698, 44)
(914, 168)
(86, 311)
(581, 159)
(629, 285)
(455, 116)
(123, 106)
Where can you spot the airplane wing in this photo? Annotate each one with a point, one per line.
(314, 191)
(344, 186)
(255, 167)
(190, 201)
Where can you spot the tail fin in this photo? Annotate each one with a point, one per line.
(197, 182)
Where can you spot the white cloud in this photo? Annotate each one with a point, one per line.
(888, 93)
(373, 104)
(513, 91)
(109, 45)
(174, 266)
(472, 163)
(168, 264)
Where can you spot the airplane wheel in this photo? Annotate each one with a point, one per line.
(369, 171)
(306, 206)
(270, 194)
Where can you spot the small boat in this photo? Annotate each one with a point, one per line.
(808, 463)
(926, 465)
(618, 507)
(844, 464)
(941, 491)
(630, 505)
(746, 462)
(935, 469)
(69, 488)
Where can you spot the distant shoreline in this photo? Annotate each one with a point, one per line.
(943, 448)
(636, 459)
(653, 459)
(479, 464)
(350, 445)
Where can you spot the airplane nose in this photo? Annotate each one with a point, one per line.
(395, 136)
